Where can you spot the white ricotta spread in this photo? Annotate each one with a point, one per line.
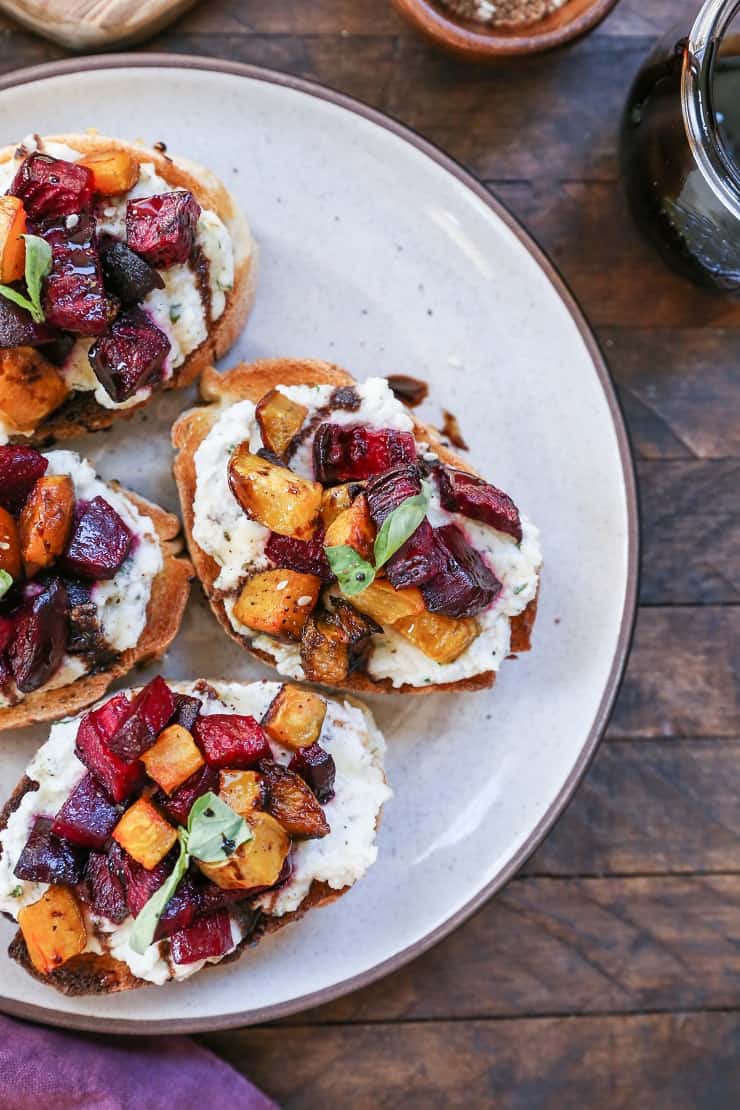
(223, 530)
(339, 859)
(121, 601)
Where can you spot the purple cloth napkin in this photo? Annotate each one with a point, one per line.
(42, 1068)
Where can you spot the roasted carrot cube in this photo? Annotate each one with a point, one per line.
(53, 929)
(278, 602)
(353, 528)
(30, 388)
(244, 791)
(273, 495)
(279, 420)
(46, 522)
(10, 545)
(144, 834)
(295, 717)
(12, 243)
(114, 171)
(173, 758)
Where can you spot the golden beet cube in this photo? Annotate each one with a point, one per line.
(173, 758)
(295, 717)
(292, 802)
(46, 522)
(144, 834)
(441, 638)
(273, 495)
(279, 420)
(12, 244)
(114, 171)
(243, 791)
(30, 388)
(10, 546)
(335, 500)
(53, 929)
(353, 528)
(278, 602)
(387, 605)
(257, 862)
(324, 651)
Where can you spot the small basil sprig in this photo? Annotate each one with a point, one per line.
(353, 573)
(213, 834)
(5, 583)
(38, 265)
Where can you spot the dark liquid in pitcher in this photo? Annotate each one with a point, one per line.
(670, 198)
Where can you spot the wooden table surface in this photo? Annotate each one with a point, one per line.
(608, 973)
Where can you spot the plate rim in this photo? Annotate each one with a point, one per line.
(160, 60)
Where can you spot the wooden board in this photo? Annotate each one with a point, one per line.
(94, 24)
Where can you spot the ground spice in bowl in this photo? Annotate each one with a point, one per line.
(498, 12)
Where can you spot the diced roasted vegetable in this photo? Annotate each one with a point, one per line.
(418, 560)
(338, 498)
(440, 638)
(244, 791)
(161, 228)
(30, 388)
(353, 528)
(178, 805)
(385, 492)
(118, 777)
(231, 740)
(466, 585)
(186, 711)
(127, 275)
(273, 495)
(279, 420)
(114, 171)
(475, 498)
(174, 758)
(386, 605)
(351, 452)
(202, 940)
(10, 546)
(52, 187)
(257, 862)
(73, 295)
(20, 467)
(103, 889)
(100, 541)
(144, 834)
(295, 717)
(46, 522)
(335, 643)
(305, 556)
(292, 803)
(147, 715)
(12, 243)
(47, 858)
(53, 929)
(88, 817)
(316, 767)
(40, 637)
(278, 602)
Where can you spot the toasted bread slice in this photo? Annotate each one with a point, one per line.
(169, 596)
(252, 382)
(80, 412)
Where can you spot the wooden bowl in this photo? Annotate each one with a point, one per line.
(481, 42)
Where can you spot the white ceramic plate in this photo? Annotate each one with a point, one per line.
(380, 254)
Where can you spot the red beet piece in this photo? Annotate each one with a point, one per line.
(20, 467)
(88, 816)
(40, 639)
(162, 228)
(126, 275)
(466, 585)
(418, 560)
(103, 890)
(186, 711)
(139, 883)
(99, 543)
(181, 910)
(206, 937)
(7, 629)
(230, 740)
(119, 778)
(213, 898)
(387, 491)
(305, 556)
(130, 355)
(50, 187)
(148, 714)
(48, 859)
(178, 805)
(19, 329)
(317, 768)
(467, 494)
(73, 294)
(351, 452)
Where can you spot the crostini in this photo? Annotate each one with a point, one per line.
(170, 827)
(342, 542)
(122, 271)
(91, 583)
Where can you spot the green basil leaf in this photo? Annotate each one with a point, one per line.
(13, 295)
(38, 265)
(145, 924)
(5, 582)
(215, 831)
(353, 573)
(400, 525)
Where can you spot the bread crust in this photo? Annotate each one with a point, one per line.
(251, 382)
(81, 413)
(169, 596)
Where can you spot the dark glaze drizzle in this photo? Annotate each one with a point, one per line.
(409, 391)
(201, 269)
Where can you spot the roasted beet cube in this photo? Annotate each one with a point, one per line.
(178, 805)
(130, 355)
(148, 714)
(84, 632)
(104, 890)
(162, 228)
(305, 556)
(109, 715)
(212, 898)
(207, 937)
(466, 585)
(119, 778)
(99, 543)
(48, 859)
(20, 467)
(88, 816)
(127, 275)
(351, 452)
(387, 491)
(73, 296)
(467, 494)
(50, 187)
(139, 883)
(186, 711)
(7, 630)
(418, 560)
(181, 910)
(40, 639)
(230, 740)
(19, 329)
(317, 768)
